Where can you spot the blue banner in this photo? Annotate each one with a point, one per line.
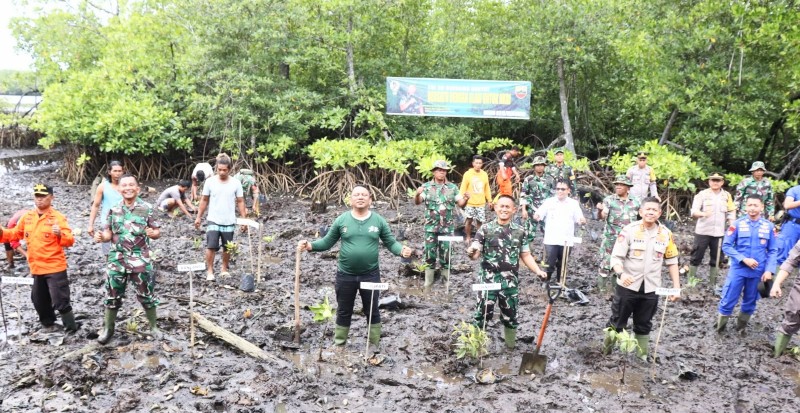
(497, 99)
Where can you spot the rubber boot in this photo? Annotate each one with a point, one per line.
(722, 321)
(108, 330)
(608, 342)
(10, 258)
(602, 283)
(375, 336)
(151, 320)
(692, 271)
(781, 342)
(741, 322)
(340, 335)
(430, 273)
(445, 274)
(68, 319)
(644, 346)
(510, 336)
(713, 272)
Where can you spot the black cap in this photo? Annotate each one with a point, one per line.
(42, 189)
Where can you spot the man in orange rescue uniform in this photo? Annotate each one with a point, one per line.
(47, 233)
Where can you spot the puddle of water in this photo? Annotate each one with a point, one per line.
(609, 381)
(793, 374)
(28, 162)
(431, 373)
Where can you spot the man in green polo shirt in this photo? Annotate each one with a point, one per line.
(361, 232)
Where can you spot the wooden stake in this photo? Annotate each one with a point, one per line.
(297, 257)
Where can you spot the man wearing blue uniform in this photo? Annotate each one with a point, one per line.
(753, 247)
(790, 230)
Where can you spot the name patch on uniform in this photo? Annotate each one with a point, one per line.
(637, 253)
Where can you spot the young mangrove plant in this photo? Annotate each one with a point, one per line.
(323, 313)
(471, 341)
(627, 345)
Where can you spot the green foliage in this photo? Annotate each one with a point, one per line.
(499, 144)
(393, 156)
(672, 169)
(420, 266)
(625, 340)
(323, 312)
(692, 282)
(471, 341)
(232, 248)
(578, 163)
(83, 158)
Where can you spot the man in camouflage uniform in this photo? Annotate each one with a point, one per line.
(560, 170)
(536, 188)
(617, 210)
(755, 184)
(502, 244)
(249, 187)
(130, 226)
(440, 198)
(643, 178)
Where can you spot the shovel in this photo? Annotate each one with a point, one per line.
(533, 362)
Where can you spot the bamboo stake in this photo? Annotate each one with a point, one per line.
(298, 255)
(658, 338)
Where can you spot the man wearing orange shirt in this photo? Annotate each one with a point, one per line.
(47, 233)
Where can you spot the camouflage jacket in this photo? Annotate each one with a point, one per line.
(130, 248)
(247, 184)
(749, 186)
(619, 213)
(440, 203)
(535, 189)
(561, 172)
(501, 246)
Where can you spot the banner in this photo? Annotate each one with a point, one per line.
(497, 99)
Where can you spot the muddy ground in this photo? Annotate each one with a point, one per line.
(132, 373)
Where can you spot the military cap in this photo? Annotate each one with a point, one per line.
(440, 164)
(623, 179)
(42, 189)
(560, 149)
(641, 154)
(757, 165)
(716, 176)
(539, 160)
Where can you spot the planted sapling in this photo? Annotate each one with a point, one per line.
(323, 313)
(471, 341)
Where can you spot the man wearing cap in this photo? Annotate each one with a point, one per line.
(200, 173)
(791, 316)
(175, 197)
(47, 233)
(713, 207)
(130, 226)
(643, 178)
(440, 198)
(249, 187)
(475, 182)
(790, 229)
(617, 210)
(640, 251)
(505, 170)
(535, 189)
(753, 247)
(758, 185)
(560, 170)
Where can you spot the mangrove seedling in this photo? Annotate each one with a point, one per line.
(420, 266)
(471, 341)
(132, 325)
(197, 242)
(411, 192)
(627, 344)
(232, 248)
(692, 281)
(323, 313)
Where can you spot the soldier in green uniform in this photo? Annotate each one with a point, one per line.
(440, 198)
(560, 170)
(617, 210)
(536, 188)
(130, 226)
(755, 185)
(502, 244)
(249, 187)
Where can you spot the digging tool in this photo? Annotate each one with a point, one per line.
(372, 287)
(297, 256)
(534, 362)
(255, 225)
(665, 292)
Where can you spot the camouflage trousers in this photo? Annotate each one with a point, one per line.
(507, 299)
(605, 253)
(117, 281)
(531, 226)
(435, 249)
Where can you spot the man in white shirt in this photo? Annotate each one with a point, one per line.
(560, 214)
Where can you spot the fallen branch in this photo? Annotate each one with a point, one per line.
(245, 346)
(186, 299)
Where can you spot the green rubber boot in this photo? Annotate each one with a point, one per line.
(375, 335)
(108, 330)
(602, 284)
(692, 271)
(68, 319)
(445, 274)
(741, 322)
(430, 274)
(781, 342)
(340, 335)
(644, 346)
(609, 341)
(713, 272)
(722, 321)
(510, 336)
(151, 320)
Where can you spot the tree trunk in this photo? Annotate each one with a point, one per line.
(562, 94)
(668, 128)
(351, 71)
